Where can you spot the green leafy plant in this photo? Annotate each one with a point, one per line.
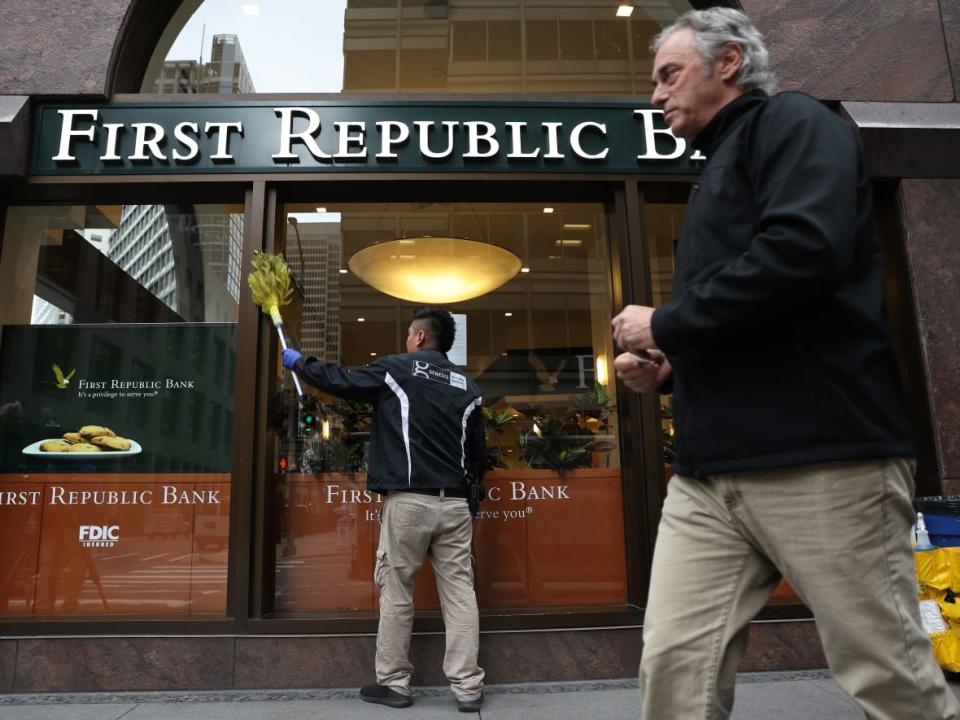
(355, 419)
(667, 431)
(496, 421)
(566, 439)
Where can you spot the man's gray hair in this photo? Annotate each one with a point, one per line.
(713, 29)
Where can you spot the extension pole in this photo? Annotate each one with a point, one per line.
(278, 324)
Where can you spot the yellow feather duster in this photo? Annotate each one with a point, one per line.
(271, 288)
(270, 283)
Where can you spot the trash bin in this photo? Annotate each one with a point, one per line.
(941, 513)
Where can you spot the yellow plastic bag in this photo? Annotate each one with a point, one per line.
(950, 612)
(933, 569)
(946, 648)
(939, 569)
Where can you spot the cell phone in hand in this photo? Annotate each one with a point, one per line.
(642, 357)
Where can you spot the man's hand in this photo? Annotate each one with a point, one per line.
(290, 357)
(643, 377)
(631, 328)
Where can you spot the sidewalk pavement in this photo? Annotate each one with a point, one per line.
(806, 695)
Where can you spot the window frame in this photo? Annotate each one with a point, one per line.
(250, 565)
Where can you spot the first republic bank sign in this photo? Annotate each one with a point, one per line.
(352, 135)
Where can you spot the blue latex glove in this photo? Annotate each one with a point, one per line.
(290, 357)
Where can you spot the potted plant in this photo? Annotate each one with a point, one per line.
(667, 435)
(355, 417)
(568, 438)
(496, 421)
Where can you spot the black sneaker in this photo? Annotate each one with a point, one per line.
(383, 695)
(470, 705)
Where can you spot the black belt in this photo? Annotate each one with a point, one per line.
(437, 492)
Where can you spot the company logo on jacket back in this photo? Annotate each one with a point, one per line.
(423, 369)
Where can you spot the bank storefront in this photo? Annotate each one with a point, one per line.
(165, 497)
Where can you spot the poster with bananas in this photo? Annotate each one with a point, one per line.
(115, 451)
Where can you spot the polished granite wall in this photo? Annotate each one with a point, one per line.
(49, 47)
(866, 50)
(931, 211)
(950, 13)
(210, 663)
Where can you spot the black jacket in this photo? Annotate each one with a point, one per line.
(776, 327)
(427, 420)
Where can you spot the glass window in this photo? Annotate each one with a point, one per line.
(117, 344)
(542, 40)
(369, 69)
(469, 41)
(505, 42)
(456, 46)
(539, 346)
(574, 43)
(425, 69)
(610, 40)
(663, 224)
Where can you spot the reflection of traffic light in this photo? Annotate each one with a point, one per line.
(308, 415)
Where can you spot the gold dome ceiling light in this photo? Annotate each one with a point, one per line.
(434, 270)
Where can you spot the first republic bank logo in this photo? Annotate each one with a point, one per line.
(99, 535)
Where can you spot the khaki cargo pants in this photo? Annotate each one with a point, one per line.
(839, 533)
(410, 524)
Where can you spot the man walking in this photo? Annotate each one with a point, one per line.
(426, 456)
(794, 458)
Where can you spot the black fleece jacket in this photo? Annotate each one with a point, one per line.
(776, 328)
(427, 420)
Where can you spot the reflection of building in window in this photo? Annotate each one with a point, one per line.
(225, 74)
(220, 239)
(178, 76)
(142, 248)
(530, 46)
(319, 278)
(191, 265)
(45, 313)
